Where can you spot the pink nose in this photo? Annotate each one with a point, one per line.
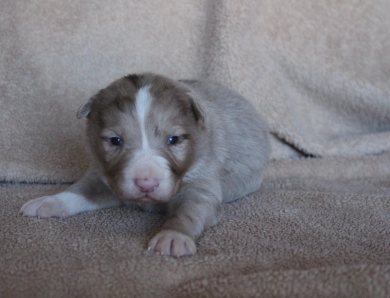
(146, 185)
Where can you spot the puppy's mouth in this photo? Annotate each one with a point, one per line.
(146, 198)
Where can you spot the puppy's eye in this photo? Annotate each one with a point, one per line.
(173, 140)
(116, 141)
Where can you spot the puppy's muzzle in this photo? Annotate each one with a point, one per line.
(147, 185)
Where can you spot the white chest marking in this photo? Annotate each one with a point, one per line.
(143, 100)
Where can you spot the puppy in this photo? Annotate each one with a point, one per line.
(182, 147)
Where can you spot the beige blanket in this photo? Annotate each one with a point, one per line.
(298, 237)
(319, 72)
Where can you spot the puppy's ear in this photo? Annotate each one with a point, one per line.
(196, 108)
(86, 108)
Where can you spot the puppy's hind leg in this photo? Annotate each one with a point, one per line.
(88, 194)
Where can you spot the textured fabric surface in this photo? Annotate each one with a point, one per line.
(319, 72)
(297, 237)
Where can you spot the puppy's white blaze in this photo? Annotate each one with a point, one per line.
(143, 100)
(146, 164)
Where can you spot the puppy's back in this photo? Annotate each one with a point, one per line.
(238, 135)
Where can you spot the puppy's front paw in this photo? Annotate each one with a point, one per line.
(172, 243)
(48, 206)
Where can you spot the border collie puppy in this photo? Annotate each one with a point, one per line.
(181, 147)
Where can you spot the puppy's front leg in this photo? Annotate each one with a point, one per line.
(88, 194)
(192, 211)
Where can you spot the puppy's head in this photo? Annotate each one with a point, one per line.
(141, 131)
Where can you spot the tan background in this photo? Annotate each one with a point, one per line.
(318, 71)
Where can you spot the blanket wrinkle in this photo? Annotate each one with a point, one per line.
(318, 73)
(259, 284)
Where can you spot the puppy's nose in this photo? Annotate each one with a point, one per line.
(146, 184)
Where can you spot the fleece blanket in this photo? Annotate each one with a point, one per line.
(318, 71)
(301, 236)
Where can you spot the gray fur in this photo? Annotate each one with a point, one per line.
(221, 157)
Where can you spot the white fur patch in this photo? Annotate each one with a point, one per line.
(143, 100)
(62, 204)
(150, 166)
